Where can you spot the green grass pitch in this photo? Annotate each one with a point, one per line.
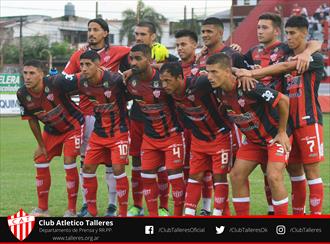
(17, 175)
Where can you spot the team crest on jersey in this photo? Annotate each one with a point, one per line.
(156, 93)
(85, 84)
(156, 84)
(276, 50)
(106, 84)
(21, 224)
(28, 98)
(46, 89)
(107, 94)
(194, 71)
(191, 97)
(50, 97)
(273, 57)
(241, 102)
(106, 59)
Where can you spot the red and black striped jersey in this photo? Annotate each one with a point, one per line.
(108, 98)
(160, 116)
(113, 58)
(265, 56)
(237, 59)
(253, 111)
(52, 106)
(200, 109)
(189, 69)
(302, 90)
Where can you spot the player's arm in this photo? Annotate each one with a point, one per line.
(283, 111)
(280, 102)
(35, 128)
(271, 70)
(304, 58)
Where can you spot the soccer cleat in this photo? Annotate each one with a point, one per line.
(163, 212)
(69, 214)
(270, 212)
(38, 212)
(135, 211)
(111, 211)
(82, 211)
(88, 215)
(204, 212)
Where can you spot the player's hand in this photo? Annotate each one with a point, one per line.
(302, 62)
(282, 139)
(126, 75)
(159, 52)
(247, 83)
(243, 72)
(236, 47)
(41, 150)
(256, 66)
(201, 53)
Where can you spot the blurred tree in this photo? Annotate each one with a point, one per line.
(143, 12)
(61, 50)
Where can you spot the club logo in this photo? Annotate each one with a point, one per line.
(267, 95)
(106, 59)
(156, 83)
(28, 98)
(50, 97)
(241, 102)
(21, 224)
(46, 89)
(156, 93)
(191, 97)
(107, 94)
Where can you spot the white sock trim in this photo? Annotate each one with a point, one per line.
(176, 176)
(41, 166)
(86, 175)
(161, 169)
(136, 168)
(70, 166)
(108, 170)
(280, 202)
(190, 211)
(241, 199)
(217, 212)
(193, 181)
(298, 178)
(270, 208)
(117, 177)
(149, 176)
(220, 183)
(315, 181)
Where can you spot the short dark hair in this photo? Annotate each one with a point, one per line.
(35, 63)
(275, 18)
(219, 58)
(90, 54)
(144, 48)
(173, 68)
(213, 21)
(148, 24)
(187, 33)
(297, 21)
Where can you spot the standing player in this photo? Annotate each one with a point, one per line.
(162, 137)
(41, 101)
(270, 51)
(109, 139)
(145, 33)
(186, 44)
(211, 137)
(112, 58)
(261, 114)
(305, 111)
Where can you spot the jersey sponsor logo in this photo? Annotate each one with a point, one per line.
(267, 95)
(102, 108)
(156, 84)
(21, 224)
(54, 116)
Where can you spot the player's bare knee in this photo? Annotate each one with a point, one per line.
(198, 177)
(295, 169)
(312, 171)
(274, 177)
(220, 177)
(118, 169)
(89, 168)
(237, 177)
